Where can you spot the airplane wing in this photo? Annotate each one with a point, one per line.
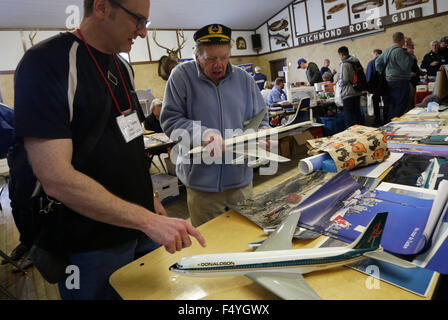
(281, 238)
(290, 286)
(389, 258)
(261, 153)
(255, 122)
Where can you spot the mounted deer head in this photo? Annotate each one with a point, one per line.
(167, 63)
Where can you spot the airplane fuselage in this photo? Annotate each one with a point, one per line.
(296, 260)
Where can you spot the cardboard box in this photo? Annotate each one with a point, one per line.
(165, 185)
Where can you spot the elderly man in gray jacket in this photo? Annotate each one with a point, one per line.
(350, 96)
(397, 63)
(217, 98)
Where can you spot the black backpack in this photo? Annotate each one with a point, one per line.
(359, 81)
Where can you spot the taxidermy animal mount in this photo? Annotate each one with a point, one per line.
(168, 62)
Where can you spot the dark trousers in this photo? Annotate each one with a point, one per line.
(95, 268)
(398, 98)
(352, 111)
(377, 109)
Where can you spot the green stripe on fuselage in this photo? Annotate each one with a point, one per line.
(291, 263)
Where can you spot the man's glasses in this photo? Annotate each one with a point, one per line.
(142, 22)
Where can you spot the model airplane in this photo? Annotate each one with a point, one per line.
(279, 268)
(240, 144)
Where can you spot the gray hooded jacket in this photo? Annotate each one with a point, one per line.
(346, 76)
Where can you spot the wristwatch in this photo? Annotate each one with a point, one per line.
(156, 194)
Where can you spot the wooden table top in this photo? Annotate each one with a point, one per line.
(149, 278)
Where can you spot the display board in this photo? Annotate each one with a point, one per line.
(397, 6)
(442, 6)
(279, 29)
(317, 21)
(264, 36)
(336, 14)
(362, 10)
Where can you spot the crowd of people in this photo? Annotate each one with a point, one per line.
(391, 78)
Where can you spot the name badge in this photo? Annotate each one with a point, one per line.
(130, 127)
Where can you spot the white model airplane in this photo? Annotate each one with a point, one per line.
(240, 144)
(279, 268)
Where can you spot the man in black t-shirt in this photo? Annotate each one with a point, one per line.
(64, 88)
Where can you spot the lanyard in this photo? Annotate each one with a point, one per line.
(104, 78)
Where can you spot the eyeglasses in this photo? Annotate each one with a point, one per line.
(142, 22)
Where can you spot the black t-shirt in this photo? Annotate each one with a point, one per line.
(59, 93)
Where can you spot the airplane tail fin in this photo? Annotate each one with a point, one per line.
(304, 107)
(371, 237)
(255, 122)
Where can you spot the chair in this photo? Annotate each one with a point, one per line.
(145, 98)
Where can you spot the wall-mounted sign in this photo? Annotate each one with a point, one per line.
(359, 28)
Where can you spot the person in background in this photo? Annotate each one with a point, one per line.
(350, 96)
(325, 69)
(105, 212)
(432, 61)
(415, 75)
(152, 122)
(327, 76)
(373, 78)
(397, 63)
(443, 50)
(266, 90)
(312, 71)
(259, 78)
(207, 98)
(277, 94)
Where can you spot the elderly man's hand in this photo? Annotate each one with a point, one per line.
(214, 144)
(268, 144)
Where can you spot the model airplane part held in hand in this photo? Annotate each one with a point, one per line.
(279, 268)
(240, 144)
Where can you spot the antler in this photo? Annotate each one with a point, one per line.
(32, 35)
(158, 44)
(182, 36)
